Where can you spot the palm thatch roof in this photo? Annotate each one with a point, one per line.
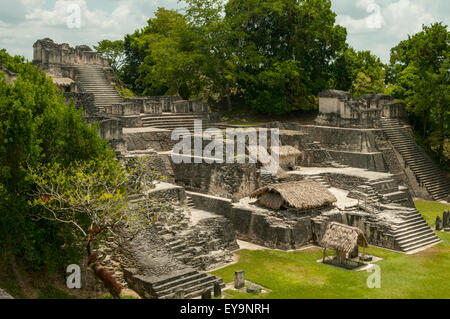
(343, 238)
(302, 195)
(62, 81)
(288, 151)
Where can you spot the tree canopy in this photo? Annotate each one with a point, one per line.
(419, 73)
(36, 127)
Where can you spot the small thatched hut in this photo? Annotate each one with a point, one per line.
(344, 239)
(64, 84)
(301, 196)
(288, 156)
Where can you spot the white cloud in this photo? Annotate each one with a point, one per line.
(25, 21)
(36, 22)
(386, 23)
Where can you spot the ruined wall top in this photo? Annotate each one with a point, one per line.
(47, 52)
(335, 94)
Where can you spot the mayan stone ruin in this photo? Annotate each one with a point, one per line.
(357, 166)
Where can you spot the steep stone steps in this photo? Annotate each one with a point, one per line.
(172, 121)
(413, 232)
(201, 283)
(320, 179)
(191, 283)
(190, 202)
(92, 79)
(426, 171)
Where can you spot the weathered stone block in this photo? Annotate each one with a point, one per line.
(253, 289)
(180, 106)
(217, 290)
(438, 223)
(179, 294)
(239, 279)
(446, 219)
(206, 294)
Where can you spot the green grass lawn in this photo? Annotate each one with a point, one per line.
(297, 275)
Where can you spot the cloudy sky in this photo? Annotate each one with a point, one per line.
(375, 25)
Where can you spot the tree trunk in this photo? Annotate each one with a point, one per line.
(101, 273)
(230, 106)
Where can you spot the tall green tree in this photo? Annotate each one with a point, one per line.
(171, 61)
(359, 72)
(419, 71)
(270, 37)
(113, 52)
(36, 127)
(213, 33)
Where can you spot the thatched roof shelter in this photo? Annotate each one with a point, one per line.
(289, 151)
(343, 238)
(62, 82)
(303, 195)
(288, 156)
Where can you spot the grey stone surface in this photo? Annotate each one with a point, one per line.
(5, 295)
(217, 290)
(446, 219)
(253, 289)
(438, 223)
(239, 279)
(206, 294)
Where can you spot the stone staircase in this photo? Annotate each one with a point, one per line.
(318, 178)
(188, 284)
(92, 79)
(190, 202)
(171, 121)
(426, 171)
(413, 233)
(387, 190)
(192, 284)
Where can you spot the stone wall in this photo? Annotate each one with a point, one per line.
(224, 180)
(369, 161)
(156, 139)
(124, 109)
(47, 53)
(377, 233)
(109, 128)
(338, 108)
(274, 229)
(85, 101)
(209, 203)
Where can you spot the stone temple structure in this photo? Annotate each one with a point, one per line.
(358, 165)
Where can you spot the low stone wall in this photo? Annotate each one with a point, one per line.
(218, 205)
(85, 101)
(224, 180)
(278, 230)
(158, 140)
(48, 52)
(170, 193)
(343, 139)
(341, 181)
(369, 161)
(124, 109)
(376, 233)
